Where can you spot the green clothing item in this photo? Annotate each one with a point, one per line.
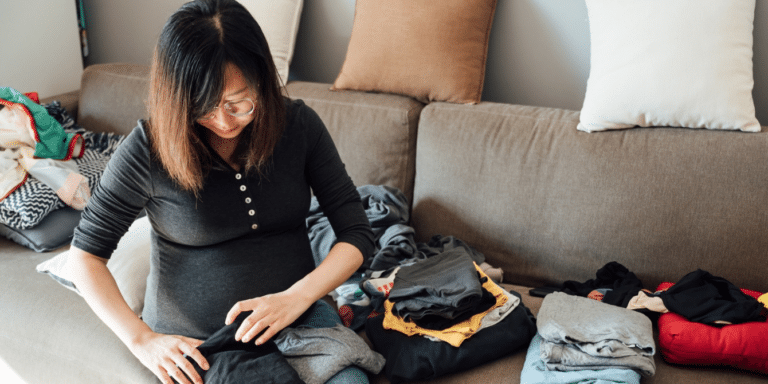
(52, 142)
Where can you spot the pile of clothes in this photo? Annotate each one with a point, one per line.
(33, 142)
(395, 246)
(47, 161)
(443, 315)
(698, 296)
(429, 308)
(583, 340)
(703, 320)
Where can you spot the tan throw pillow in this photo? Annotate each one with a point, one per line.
(429, 50)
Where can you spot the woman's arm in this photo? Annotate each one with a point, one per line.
(276, 311)
(162, 354)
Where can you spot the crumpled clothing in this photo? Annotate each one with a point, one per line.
(703, 298)
(23, 124)
(33, 125)
(61, 176)
(387, 210)
(617, 284)
(12, 174)
(644, 301)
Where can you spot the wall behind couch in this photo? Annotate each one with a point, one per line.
(538, 50)
(40, 46)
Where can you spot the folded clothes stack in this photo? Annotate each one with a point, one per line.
(586, 337)
(443, 315)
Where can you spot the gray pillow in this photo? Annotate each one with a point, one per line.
(53, 232)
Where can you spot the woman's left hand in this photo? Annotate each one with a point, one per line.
(271, 312)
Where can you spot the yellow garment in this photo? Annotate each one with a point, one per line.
(763, 299)
(454, 335)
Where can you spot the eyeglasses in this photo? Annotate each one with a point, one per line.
(237, 108)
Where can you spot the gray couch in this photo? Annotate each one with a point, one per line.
(538, 198)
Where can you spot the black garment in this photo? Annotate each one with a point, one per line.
(411, 358)
(437, 322)
(244, 237)
(445, 285)
(701, 297)
(619, 283)
(234, 362)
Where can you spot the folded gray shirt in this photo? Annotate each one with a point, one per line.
(581, 333)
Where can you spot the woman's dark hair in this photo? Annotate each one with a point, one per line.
(187, 80)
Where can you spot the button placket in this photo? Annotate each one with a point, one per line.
(248, 200)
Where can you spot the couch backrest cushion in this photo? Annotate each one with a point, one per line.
(549, 203)
(113, 97)
(375, 133)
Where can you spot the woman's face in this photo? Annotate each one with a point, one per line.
(220, 122)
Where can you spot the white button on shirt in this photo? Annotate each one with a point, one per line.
(247, 200)
(251, 212)
(242, 188)
(238, 176)
(254, 226)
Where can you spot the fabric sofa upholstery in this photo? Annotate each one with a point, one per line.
(538, 198)
(544, 201)
(113, 97)
(375, 133)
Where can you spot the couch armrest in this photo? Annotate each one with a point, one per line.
(69, 101)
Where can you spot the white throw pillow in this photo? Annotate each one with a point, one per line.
(679, 63)
(279, 20)
(129, 265)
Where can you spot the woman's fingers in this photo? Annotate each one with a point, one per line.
(176, 373)
(162, 375)
(165, 356)
(192, 351)
(270, 314)
(183, 369)
(239, 307)
(251, 327)
(268, 333)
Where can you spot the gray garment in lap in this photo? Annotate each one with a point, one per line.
(319, 353)
(594, 333)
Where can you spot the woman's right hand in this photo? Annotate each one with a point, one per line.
(164, 355)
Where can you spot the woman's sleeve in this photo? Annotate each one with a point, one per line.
(122, 192)
(335, 192)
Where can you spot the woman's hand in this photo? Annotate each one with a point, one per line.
(164, 356)
(271, 312)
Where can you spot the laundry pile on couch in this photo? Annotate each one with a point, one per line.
(431, 310)
(46, 185)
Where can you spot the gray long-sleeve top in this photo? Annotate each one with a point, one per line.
(244, 237)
